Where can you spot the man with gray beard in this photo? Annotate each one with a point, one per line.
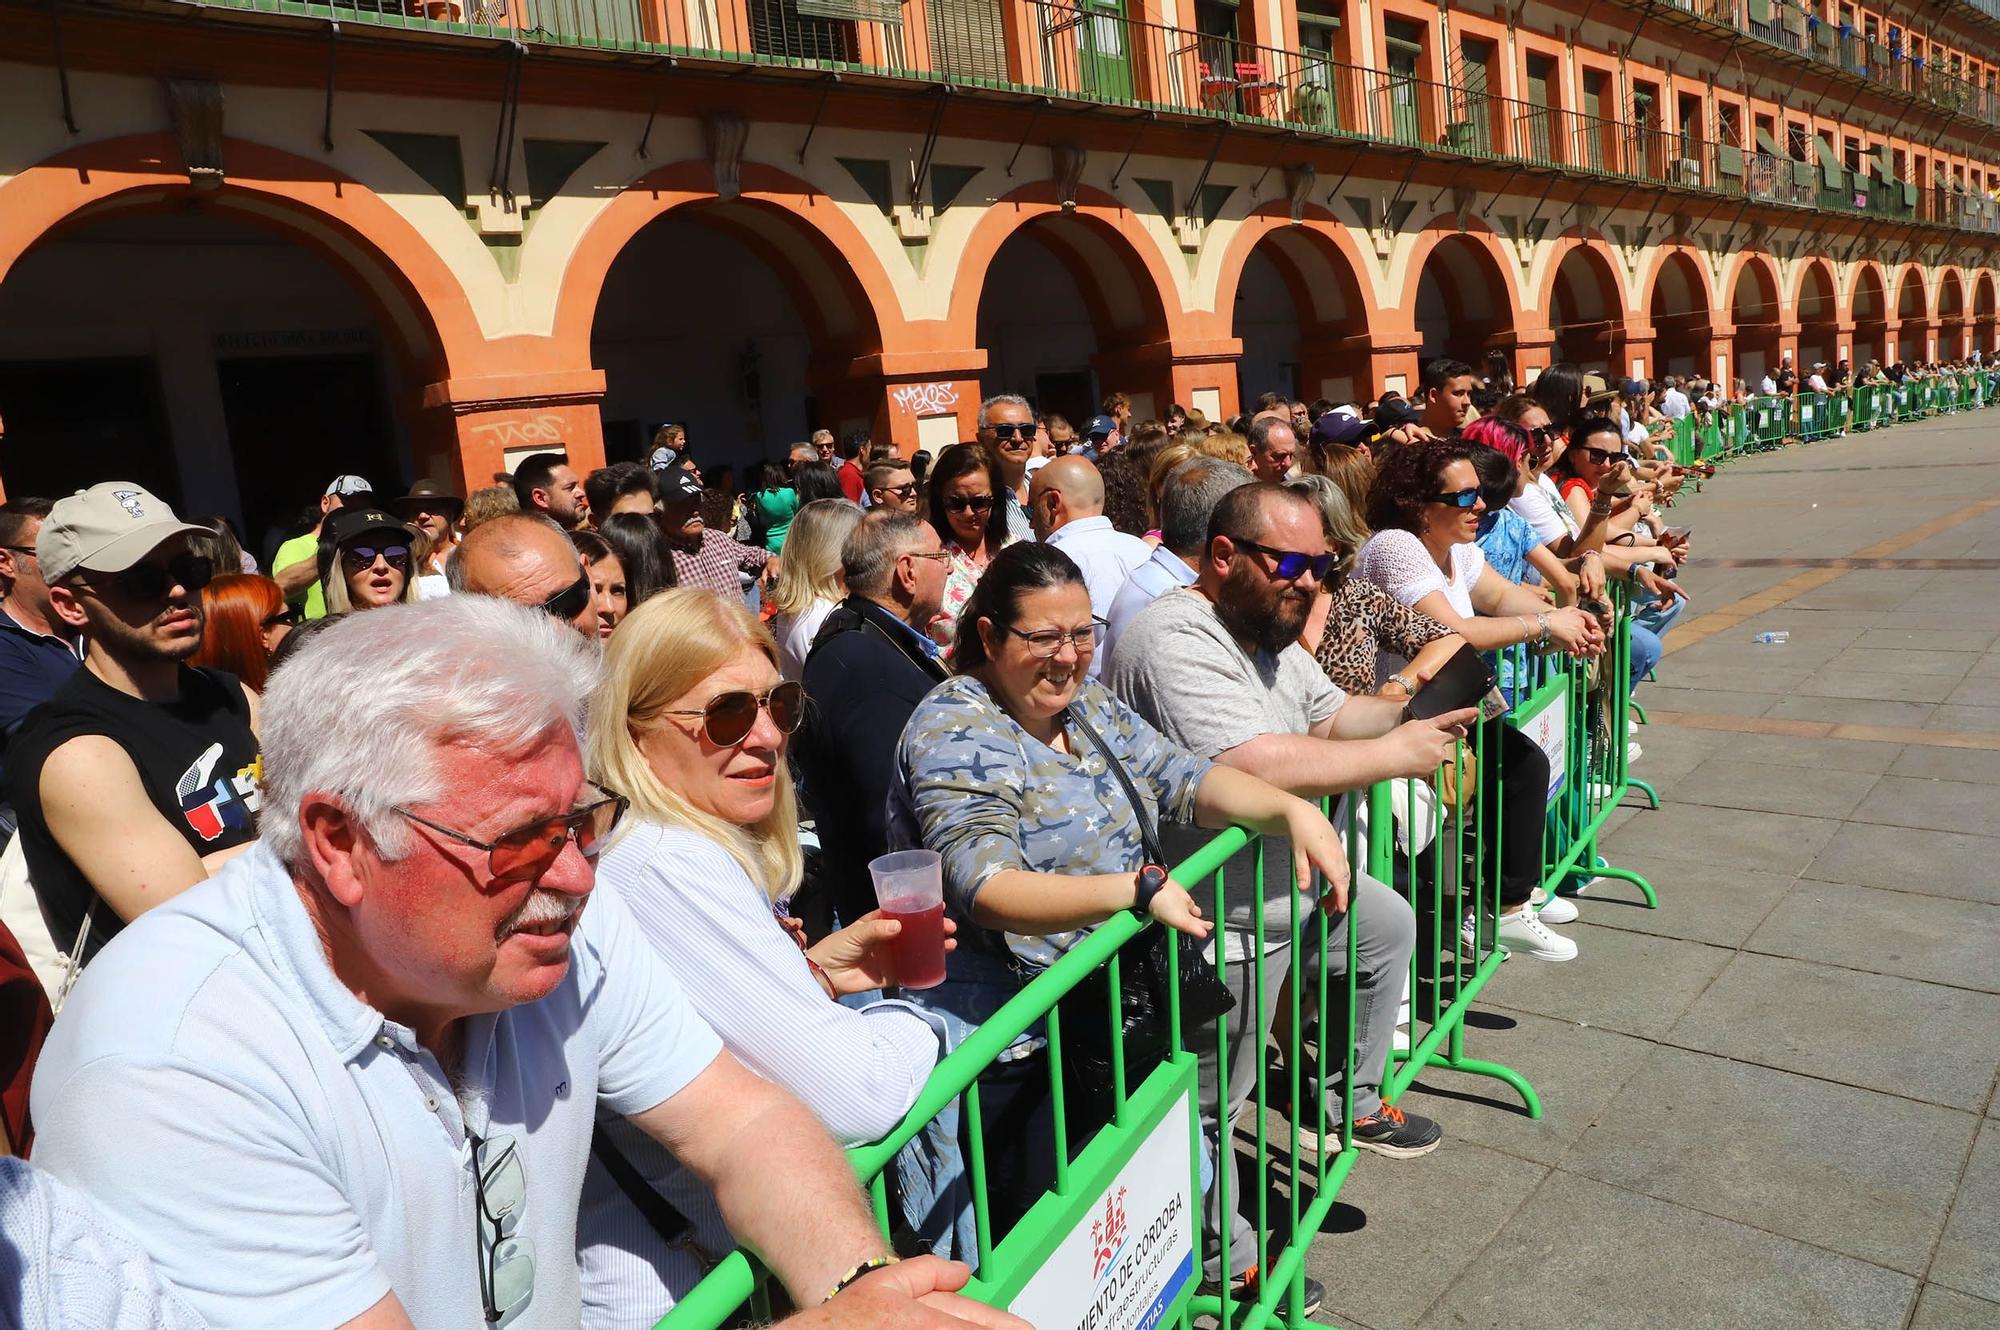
(352, 1079)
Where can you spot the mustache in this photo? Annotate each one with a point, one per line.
(541, 906)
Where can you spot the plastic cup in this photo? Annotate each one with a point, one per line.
(909, 886)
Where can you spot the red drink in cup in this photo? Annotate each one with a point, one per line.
(909, 886)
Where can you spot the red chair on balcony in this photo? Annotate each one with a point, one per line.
(1256, 89)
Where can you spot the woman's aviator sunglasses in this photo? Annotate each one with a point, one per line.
(729, 717)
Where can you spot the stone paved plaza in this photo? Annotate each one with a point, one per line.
(1771, 1103)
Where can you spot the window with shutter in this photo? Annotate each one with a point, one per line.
(968, 40)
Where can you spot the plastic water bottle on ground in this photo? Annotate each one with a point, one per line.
(1772, 639)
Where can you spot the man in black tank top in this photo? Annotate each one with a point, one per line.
(139, 777)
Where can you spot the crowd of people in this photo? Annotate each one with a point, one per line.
(302, 857)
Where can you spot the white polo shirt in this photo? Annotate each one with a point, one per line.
(1107, 557)
(287, 1155)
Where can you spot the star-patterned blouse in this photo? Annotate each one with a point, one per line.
(988, 796)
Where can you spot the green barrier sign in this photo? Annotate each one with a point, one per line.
(1123, 1255)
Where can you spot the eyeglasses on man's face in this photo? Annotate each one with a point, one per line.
(152, 579)
(571, 601)
(1007, 430)
(530, 850)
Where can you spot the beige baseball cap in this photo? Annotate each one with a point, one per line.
(106, 529)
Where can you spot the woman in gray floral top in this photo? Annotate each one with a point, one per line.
(1040, 842)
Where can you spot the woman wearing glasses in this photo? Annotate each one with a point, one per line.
(691, 723)
(1425, 506)
(1011, 773)
(965, 487)
(365, 556)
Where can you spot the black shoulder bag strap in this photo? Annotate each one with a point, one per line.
(1149, 840)
(656, 1209)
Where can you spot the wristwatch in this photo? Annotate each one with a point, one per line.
(1152, 877)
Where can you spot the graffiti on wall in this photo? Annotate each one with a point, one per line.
(521, 431)
(925, 399)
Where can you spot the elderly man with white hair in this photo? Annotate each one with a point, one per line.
(352, 1080)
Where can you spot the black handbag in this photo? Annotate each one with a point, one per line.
(1145, 976)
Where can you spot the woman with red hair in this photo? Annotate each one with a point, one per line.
(246, 618)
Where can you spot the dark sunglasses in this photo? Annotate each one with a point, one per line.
(904, 491)
(975, 503)
(151, 581)
(1544, 435)
(1291, 565)
(571, 601)
(1458, 498)
(286, 616)
(1605, 457)
(1009, 431)
(357, 557)
(527, 852)
(729, 717)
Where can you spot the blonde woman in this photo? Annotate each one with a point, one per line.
(691, 723)
(365, 560)
(809, 583)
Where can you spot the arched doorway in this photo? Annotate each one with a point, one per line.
(1871, 319)
(1679, 313)
(1586, 312)
(1063, 306)
(1818, 314)
(218, 361)
(1953, 328)
(1463, 309)
(1755, 313)
(1985, 324)
(1912, 315)
(1299, 314)
(734, 320)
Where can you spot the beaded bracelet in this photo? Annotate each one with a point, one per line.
(867, 1267)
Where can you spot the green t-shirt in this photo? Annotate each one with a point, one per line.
(289, 553)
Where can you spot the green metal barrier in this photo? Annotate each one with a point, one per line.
(1437, 856)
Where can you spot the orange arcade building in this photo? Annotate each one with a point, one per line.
(248, 245)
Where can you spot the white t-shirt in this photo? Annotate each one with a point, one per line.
(288, 1155)
(1673, 404)
(795, 633)
(1768, 386)
(1542, 504)
(1397, 562)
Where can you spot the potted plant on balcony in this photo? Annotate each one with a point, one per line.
(1462, 136)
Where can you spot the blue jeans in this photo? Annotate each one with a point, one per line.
(1649, 624)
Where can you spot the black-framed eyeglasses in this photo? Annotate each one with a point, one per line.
(527, 852)
(358, 557)
(152, 581)
(500, 1194)
(907, 490)
(1605, 456)
(1046, 642)
(969, 503)
(729, 717)
(1544, 435)
(1007, 431)
(571, 601)
(1464, 498)
(1290, 565)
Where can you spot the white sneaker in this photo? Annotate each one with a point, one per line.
(1631, 726)
(1600, 793)
(1553, 909)
(1524, 934)
(1633, 752)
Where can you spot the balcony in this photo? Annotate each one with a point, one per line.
(1782, 24)
(1100, 57)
